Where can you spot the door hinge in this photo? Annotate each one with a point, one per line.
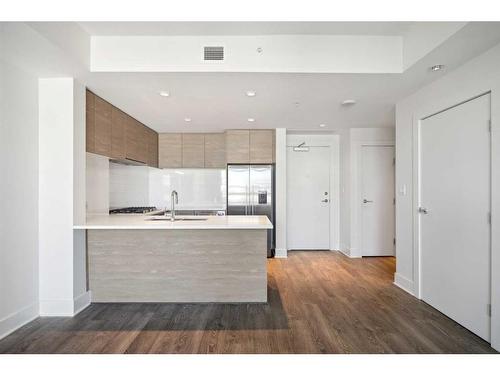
(489, 126)
(394, 241)
(488, 309)
(393, 200)
(489, 217)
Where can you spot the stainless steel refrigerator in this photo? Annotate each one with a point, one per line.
(250, 191)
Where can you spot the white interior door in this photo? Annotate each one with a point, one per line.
(377, 205)
(308, 199)
(455, 231)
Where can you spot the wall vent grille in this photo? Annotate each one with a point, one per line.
(213, 53)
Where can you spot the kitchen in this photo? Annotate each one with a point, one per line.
(248, 187)
(219, 185)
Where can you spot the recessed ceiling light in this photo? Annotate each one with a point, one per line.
(187, 119)
(349, 102)
(322, 125)
(251, 119)
(164, 93)
(435, 68)
(251, 93)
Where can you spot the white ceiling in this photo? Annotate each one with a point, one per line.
(217, 101)
(245, 28)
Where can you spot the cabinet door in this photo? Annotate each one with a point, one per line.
(118, 125)
(215, 150)
(193, 150)
(238, 146)
(143, 141)
(102, 127)
(261, 146)
(132, 151)
(152, 148)
(90, 121)
(170, 150)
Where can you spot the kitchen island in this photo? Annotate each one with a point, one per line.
(142, 258)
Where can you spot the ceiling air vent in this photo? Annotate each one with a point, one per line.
(213, 53)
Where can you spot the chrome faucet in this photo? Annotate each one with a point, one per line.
(174, 199)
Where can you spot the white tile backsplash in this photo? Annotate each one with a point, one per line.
(128, 185)
(145, 186)
(196, 188)
(97, 184)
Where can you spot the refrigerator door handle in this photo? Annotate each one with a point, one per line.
(246, 205)
(250, 196)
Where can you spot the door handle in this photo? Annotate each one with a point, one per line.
(367, 201)
(423, 210)
(324, 200)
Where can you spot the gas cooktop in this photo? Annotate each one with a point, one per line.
(132, 210)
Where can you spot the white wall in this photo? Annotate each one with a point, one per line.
(345, 191)
(280, 199)
(26, 56)
(19, 197)
(61, 250)
(480, 75)
(280, 53)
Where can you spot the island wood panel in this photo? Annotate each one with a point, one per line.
(261, 146)
(118, 125)
(102, 126)
(193, 150)
(215, 150)
(170, 150)
(203, 265)
(238, 146)
(90, 121)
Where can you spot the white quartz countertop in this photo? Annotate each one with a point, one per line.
(148, 222)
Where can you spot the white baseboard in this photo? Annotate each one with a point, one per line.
(17, 319)
(65, 307)
(81, 302)
(57, 307)
(280, 253)
(345, 252)
(348, 253)
(403, 283)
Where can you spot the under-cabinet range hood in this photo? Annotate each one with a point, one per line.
(127, 161)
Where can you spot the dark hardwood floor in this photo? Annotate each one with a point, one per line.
(319, 302)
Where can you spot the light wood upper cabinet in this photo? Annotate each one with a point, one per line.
(193, 150)
(102, 126)
(113, 133)
(170, 150)
(131, 139)
(238, 146)
(215, 150)
(261, 146)
(143, 137)
(90, 121)
(118, 125)
(152, 148)
(136, 141)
